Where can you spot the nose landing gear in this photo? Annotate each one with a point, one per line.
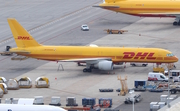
(176, 22)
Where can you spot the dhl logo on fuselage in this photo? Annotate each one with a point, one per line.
(23, 38)
(139, 55)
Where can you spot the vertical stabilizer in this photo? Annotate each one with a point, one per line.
(111, 1)
(21, 36)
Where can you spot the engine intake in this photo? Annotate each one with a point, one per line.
(104, 65)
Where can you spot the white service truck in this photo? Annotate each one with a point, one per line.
(153, 76)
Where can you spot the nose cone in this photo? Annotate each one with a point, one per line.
(175, 59)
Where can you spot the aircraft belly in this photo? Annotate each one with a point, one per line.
(147, 13)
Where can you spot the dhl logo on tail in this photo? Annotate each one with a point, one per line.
(23, 38)
(132, 55)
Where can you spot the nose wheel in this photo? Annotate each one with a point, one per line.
(87, 70)
(176, 22)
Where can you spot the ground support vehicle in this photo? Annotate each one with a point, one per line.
(140, 85)
(71, 101)
(84, 27)
(105, 102)
(129, 100)
(112, 31)
(88, 101)
(155, 90)
(153, 76)
(140, 89)
(105, 90)
(174, 90)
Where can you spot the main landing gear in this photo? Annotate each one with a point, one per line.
(87, 70)
(176, 22)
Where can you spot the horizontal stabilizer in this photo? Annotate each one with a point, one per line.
(106, 6)
(25, 52)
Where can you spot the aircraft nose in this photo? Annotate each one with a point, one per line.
(176, 59)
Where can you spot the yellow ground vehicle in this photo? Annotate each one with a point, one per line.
(158, 69)
(111, 31)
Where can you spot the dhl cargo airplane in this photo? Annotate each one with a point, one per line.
(145, 8)
(102, 58)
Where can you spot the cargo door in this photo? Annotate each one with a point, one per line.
(159, 56)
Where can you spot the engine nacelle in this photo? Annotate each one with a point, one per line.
(104, 65)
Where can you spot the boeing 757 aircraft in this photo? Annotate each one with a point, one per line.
(102, 58)
(145, 8)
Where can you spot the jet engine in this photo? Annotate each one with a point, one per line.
(104, 65)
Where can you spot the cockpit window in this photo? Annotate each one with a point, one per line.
(170, 55)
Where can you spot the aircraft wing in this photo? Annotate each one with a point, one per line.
(85, 60)
(26, 52)
(106, 6)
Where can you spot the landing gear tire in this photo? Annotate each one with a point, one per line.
(178, 23)
(87, 70)
(133, 64)
(144, 65)
(175, 23)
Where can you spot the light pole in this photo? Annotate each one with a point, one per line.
(131, 92)
(133, 104)
(168, 86)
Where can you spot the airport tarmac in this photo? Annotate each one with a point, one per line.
(62, 29)
(142, 32)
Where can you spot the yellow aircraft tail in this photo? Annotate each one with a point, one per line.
(110, 1)
(21, 36)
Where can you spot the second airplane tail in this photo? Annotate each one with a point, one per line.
(111, 1)
(21, 36)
